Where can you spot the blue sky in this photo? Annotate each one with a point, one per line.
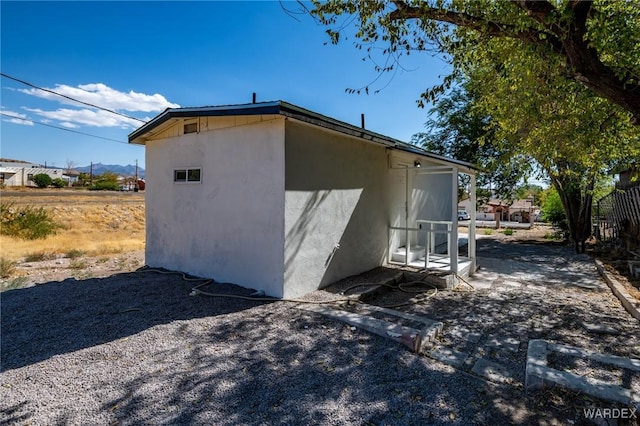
(140, 57)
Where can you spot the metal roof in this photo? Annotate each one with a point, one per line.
(288, 110)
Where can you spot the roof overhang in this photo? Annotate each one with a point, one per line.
(140, 135)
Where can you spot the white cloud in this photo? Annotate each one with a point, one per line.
(73, 118)
(15, 117)
(104, 96)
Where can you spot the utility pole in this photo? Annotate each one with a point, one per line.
(135, 188)
(91, 174)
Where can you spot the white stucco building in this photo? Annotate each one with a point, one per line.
(19, 173)
(278, 198)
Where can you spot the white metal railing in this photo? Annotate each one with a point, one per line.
(431, 229)
(430, 241)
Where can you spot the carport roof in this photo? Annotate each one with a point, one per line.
(288, 110)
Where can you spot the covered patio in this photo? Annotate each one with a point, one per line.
(424, 216)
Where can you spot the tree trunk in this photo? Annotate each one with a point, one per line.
(577, 207)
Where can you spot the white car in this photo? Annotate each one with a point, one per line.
(463, 215)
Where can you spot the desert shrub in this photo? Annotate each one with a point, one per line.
(39, 256)
(42, 180)
(508, 231)
(74, 253)
(78, 264)
(28, 222)
(59, 183)
(7, 267)
(488, 231)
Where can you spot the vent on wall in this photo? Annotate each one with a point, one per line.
(190, 128)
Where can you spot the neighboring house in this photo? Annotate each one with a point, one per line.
(279, 198)
(18, 173)
(524, 211)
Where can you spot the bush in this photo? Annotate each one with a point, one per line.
(107, 181)
(7, 267)
(28, 223)
(508, 231)
(105, 186)
(74, 253)
(42, 180)
(39, 256)
(552, 210)
(59, 183)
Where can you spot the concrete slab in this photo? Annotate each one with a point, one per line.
(508, 343)
(463, 333)
(430, 330)
(539, 374)
(630, 304)
(599, 328)
(418, 340)
(449, 356)
(492, 371)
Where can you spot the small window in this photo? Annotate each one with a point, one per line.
(30, 176)
(190, 128)
(193, 175)
(187, 175)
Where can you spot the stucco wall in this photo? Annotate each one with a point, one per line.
(432, 200)
(230, 227)
(336, 194)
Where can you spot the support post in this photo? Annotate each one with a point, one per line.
(406, 216)
(471, 245)
(453, 235)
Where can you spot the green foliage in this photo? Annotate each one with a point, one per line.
(107, 181)
(596, 44)
(7, 267)
(552, 209)
(59, 183)
(460, 130)
(29, 222)
(83, 179)
(104, 186)
(508, 231)
(42, 180)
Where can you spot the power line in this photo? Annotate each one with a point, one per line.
(61, 128)
(26, 83)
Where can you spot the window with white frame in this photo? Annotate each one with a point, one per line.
(187, 175)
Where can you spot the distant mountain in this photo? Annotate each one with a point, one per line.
(99, 168)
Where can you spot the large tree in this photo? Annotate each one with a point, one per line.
(598, 41)
(534, 110)
(457, 129)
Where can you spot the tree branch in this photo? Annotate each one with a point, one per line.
(583, 60)
(486, 27)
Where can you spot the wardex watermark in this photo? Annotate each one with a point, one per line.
(610, 413)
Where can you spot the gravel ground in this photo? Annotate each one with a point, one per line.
(136, 348)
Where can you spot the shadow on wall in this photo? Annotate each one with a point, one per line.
(61, 317)
(298, 232)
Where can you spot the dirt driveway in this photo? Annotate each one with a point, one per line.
(138, 348)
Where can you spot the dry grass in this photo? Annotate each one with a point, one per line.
(95, 224)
